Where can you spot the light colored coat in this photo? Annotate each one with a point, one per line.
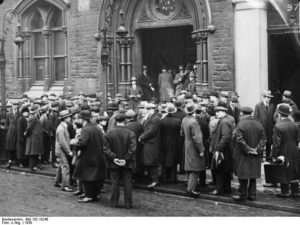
(193, 145)
(62, 140)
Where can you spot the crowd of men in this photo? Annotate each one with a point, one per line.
(147, 140)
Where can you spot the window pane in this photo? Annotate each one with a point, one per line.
(56, 20)
(59, 64)
(59, 43)
(39, 44)
(39, 69)
(37, 21)
(26, 67)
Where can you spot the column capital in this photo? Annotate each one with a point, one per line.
(248, 5)
(46, 31)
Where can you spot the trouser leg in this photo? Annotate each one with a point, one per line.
(65, 170)
(202, 178)
(127, 183)
(91, 189)
(58, 177)
(268, 151)
(164, 174)
(173, 174)
(252, 188)
(33, 161)
(227, 182)
(220, 179)
(115, 181)
(192, 181)
(295, 188)
(243, 188)
(284, 188)
(154, 173)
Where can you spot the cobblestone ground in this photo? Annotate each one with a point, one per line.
(34, 195)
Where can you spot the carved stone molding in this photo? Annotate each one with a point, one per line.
(126, 41)
(110, 7)
(184, 12)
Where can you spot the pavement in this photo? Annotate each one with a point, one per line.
(266, 198)
(28, 195)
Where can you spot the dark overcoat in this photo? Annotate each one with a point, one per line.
(222, 142)
(144, 82)
(11, 137)
(235, 113)
(151, 140)
(285, 143)
(137, 128)
(265, 116)
(170, 140)
(249, 135)
(21, 138)
(165, 85)
(122, 145)
(34, 134)
(135, 97)
(180, 114)
(91, 163)
(193, 145)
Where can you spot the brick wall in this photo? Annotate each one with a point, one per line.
(222, 45)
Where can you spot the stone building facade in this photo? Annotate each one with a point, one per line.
(226, 39)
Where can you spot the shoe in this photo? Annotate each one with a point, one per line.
(9, 164)
(282, 195)
(34, 169)
(251, 198)
(82, 195)
(193, 194)
(270, 185)
(86, 200)
(215, 192)
(152, 185)
(67, 189)
(77, 193)
(238, 198)
(58, 185)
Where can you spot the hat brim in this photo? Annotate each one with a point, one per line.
(172, 112)
(283, 113)
(190, 112)
(62, 117)
(217, 109)
(269, 96)
(84, 117)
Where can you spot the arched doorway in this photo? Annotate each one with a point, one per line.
(172, 33)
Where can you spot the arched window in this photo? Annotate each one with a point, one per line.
(44, 50)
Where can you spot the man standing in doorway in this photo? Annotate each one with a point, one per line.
(144, 81)
(165, 85)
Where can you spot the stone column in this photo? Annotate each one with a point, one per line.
(251, 50)
(28, 80)
(47, 78)
(130, 42)
(122, 42)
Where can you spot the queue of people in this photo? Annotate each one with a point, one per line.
(151, 142)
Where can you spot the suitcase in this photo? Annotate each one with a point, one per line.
(275, 173)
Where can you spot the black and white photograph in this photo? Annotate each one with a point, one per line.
(149, 108)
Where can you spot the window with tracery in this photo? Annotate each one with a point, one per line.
(44, 49)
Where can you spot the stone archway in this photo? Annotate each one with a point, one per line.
(126, 54)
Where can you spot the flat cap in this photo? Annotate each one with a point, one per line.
(247, 110)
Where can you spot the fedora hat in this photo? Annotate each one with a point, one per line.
(268, 94)
(133, 79)
(44, 108)
(178, 103)
(64, 114)
(220, 108)
(85, 114)
(284, 110)
(34, 108)
(296, 115)
(190, 108)
(171, 109)
(150, 106)
(113, 106)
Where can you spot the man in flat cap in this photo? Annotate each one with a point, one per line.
(222, 146)
(251, 141)
(121, 152)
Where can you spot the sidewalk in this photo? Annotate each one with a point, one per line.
(266, 198)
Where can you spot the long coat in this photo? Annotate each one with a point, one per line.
(122, 145)
(285, 143)
(170, 140)
(249, 135)
(165, 86)
(135, 96)
(193, 145)
(137, 128)
(222, 142)
(266, 118)
(11, 137)
(21, 138)
(62, 141)
(91, 163)
(34, 134)
(151, 140)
